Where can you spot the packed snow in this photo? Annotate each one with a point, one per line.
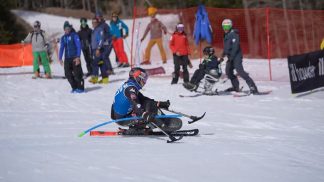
(278, 137)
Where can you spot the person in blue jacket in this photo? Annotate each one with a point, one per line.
(232, 52)
(129, 102)
(70, 45)
(97, 45)
(107, 44)
(117, 26)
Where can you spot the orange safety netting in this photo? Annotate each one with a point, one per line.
(16, 55)
(290, 32)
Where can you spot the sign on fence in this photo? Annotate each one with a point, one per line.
(306, 71)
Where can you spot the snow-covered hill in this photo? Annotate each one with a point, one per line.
(278, 137)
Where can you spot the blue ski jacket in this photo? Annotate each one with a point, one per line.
(117, 28)
(129, 100)
(97, 38)
(71, 45)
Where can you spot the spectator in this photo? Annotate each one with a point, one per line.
(107, 42)
(180, 48)
(97, 41)
(118, 35)
(71, 46)
(39, 42)
(156, 28)
(85, 38)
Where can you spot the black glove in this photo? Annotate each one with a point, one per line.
(164, 104)
(148, 116)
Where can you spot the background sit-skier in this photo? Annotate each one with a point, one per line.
(71, 47)
(232, 52)
(85, 38)
(210, 66)
(129, 102)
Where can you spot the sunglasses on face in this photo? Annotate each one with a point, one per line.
(36, 26)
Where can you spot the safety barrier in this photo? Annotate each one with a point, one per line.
(16, 55)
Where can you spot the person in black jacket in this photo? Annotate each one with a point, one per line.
(85, 38)
(232, 52)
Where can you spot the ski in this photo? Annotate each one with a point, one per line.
(201, 93)
(247, 93)
(192, 132)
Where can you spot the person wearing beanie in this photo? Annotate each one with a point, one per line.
(99, 53)
(70, 46)
(85, 38)
(117, 29)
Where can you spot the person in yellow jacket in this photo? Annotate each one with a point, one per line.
(156, 28)
(322, 45)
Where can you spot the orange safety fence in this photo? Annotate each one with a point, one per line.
(16, 55)
(289, 31)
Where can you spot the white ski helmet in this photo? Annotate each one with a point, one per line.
(227, 24)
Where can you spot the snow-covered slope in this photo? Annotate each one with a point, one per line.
(278, 137)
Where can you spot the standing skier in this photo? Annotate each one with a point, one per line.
(118, 35)
(129, 102)
(40, 43)
(180, 49)
(71, 46)
(156, 28)
(232, 51)
(85, 38)
(211, 66)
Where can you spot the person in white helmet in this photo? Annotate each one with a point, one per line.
(232, 52)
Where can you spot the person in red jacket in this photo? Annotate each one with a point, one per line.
(180, 48)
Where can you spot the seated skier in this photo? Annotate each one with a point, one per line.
(209, 68)
(130, 102)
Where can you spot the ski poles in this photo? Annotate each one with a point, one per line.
(194, 118)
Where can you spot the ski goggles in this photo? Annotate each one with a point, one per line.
(227, 27)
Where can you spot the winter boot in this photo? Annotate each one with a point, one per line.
(48, 76)
(253, 90)
(125, 65)
(93, 79)
(232, 89)
(190, 86)
(37, 75)
(104, 81)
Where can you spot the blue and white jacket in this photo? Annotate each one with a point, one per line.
(129, 100)
(71, 45)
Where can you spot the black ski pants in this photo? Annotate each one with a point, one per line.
(238, 66)
(180, 61)
(88, 59)
(74, 74)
